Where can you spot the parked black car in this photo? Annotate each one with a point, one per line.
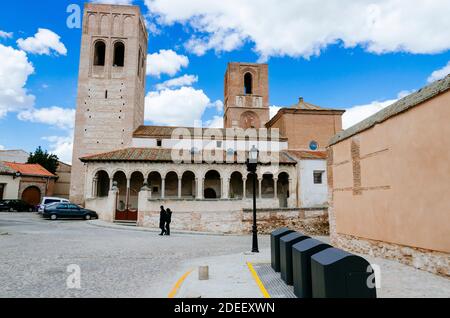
(16, 206)
(67, 211)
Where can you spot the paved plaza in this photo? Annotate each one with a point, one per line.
(118, 261)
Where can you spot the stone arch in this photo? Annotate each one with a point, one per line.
(268, 186)
(283, 188)
(101, 183)
(92, 23)
(212, 185)
(250, 119)
(188, 185)
(128, 26)
(99, 53)
(120, 178)
(154, 181)
(249, 185)
(137, 180)
(119, 54)
(117, 25)
(236, 185)
(171, 181)
(104, 25)
(32, 195)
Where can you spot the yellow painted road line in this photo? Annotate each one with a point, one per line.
(258, 280)
(177, 286)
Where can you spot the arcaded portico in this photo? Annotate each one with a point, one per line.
(165, 180)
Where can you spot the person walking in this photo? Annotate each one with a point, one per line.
(168, 221)
(162, 221)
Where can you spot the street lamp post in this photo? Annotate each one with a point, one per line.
(252, 163)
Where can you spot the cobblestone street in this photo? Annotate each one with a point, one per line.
(119, 261)
(35, 254)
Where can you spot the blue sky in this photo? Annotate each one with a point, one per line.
(360, 62)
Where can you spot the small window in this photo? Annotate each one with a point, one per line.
(219, 144)
(155, 190)
(159, 143)
(248, 84)
(119, 54)
(106, 94)
(318, 177)
(99, 54)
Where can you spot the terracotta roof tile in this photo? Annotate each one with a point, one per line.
(166, 132)
(155, 155)
(311, 155)
(29, 169)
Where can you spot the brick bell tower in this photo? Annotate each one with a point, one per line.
(246, 95)
(111, 84)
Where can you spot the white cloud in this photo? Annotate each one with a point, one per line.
(185, 80)
(358, 113)
(123, 2)
(2, 147)
(62, 118)
(61, 146)
(5, 35)
(165, 62)
(218, 104)
(44, 42)
(14, 72)
(274, 110)
(303, 28)
(439, 74)
(179, 107)
(215, 122)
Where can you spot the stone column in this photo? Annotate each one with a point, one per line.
(179, 187)
(94, 187)
(292, 193)
(226, 188)
(244, 183)
(275, 188)
(143, 197)
(199, 182)
(260, 187)
(127, 197)
(111, 182)
(163, 188)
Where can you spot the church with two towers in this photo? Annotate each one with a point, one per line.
(126, 170)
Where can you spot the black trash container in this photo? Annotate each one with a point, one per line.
(286, 243)
(301, 265)
(275, 246)
(339, 274)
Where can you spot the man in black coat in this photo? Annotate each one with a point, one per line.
(162, 221)
(168, 221)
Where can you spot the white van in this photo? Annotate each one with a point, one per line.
(50, 200)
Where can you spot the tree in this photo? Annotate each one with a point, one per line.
(46, 160)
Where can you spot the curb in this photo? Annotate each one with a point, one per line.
(103, 224)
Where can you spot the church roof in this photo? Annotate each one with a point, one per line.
(303, 108)
(4, 169)
(395, 109)
(165, 132)
(27, 169)
(157, 155)
(308, 155)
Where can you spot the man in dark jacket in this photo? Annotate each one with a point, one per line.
(168, 221)
(162, 221)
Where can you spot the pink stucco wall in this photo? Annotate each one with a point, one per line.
(401, 193)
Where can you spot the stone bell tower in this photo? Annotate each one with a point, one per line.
(111, 84)
(246, 95)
